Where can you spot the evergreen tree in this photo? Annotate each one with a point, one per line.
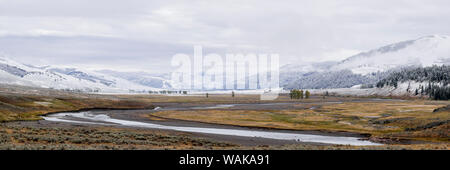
(437, 77)
(307, 94)
(421, 90)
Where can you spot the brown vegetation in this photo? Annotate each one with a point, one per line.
(99, 138)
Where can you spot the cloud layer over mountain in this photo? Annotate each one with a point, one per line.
(143, 35)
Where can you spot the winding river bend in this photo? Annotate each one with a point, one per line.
(100, 118)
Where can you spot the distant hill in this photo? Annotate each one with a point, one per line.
(369, 67)
(425, 51)
(365, 69)
(332, 79)
(69, 79)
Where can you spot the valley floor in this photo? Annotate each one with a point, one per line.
(399, 124)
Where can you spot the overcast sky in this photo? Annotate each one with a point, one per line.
(145, 34)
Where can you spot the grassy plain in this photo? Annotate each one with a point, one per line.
(27, 104)
(425, 122)
(13, 137)
(384, 120)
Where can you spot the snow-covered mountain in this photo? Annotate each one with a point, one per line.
(143, 78)
(307, 67)
(74, 79)
(364, 68)
(425, 51)
(369, 67)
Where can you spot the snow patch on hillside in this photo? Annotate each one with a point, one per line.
(425, 51)
(403, 89)
(15, 73)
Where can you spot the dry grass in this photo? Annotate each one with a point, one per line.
(107, 138)
(227, 99)
(100, 138)
(27, 107)
(383, 147)
(407, 119)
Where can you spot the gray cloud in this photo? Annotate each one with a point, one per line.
(145, 34)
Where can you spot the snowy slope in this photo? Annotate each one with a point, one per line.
(142, 78)
(358, 69)
(368, 67)
(12, 72)
(425, 51)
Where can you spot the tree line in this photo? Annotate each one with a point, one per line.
(299, 94)
(438, 79)
(433, 74)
